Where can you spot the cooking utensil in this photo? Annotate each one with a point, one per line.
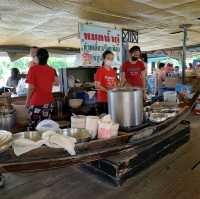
(157, 117)
(8, 119)
(75, 103)
(92, 125)
(31, 135)
(170, 96)
(163, 105)
(78, 121)
(81, 135)
(126, 106)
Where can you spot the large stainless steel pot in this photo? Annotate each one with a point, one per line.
(7, 119)
(126, 106)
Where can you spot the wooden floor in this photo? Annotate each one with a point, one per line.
(170, 178)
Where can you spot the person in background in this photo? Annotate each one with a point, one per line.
(105, 79)
(133, 70)
(169, 68)
(14, 78)
(176, 71)
(198, 66)
(190, 66)
(117, 75)
(40, 79)
(33, 52)
(160, 77)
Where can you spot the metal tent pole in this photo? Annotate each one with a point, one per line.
(184, 53)
(184, 27)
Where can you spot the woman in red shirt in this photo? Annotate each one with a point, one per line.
(40, 79)
(105, 79)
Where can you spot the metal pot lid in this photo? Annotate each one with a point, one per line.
(128, 89)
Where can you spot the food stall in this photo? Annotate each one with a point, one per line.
(138, 133)
(116, 156)
(139, 148)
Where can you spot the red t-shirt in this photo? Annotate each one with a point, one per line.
(133, 72)
(108, 79)
(42, 77)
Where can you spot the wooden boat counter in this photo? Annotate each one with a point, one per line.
(45, 158)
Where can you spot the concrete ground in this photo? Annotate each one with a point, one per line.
(169, 178)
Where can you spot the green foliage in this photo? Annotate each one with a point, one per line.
(4, 68)
(57, 62)
(22, 64)
(197, 57)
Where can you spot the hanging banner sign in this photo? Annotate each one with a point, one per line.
(95, 40)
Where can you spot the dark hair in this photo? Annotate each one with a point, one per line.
(161, 65)
(42, 55)
(34, 47)
(134, 48)
(15, 72)
(107, 52)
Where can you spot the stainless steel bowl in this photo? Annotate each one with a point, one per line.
(157, 117)
(73, 132)
(31, 135)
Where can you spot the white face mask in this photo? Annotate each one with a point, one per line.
(35, 59)
(108, 62)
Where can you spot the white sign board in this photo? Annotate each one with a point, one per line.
(95, 40)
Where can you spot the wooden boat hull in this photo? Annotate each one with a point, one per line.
(46, 158)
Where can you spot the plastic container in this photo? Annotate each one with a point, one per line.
(165, 89)
(78, 121)
(170, 96)
(92, 125)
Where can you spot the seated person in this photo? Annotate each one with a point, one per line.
(14, 78)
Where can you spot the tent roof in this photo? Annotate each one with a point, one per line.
(43, 22)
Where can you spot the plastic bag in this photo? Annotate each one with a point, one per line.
(107, 129)
(48, 125)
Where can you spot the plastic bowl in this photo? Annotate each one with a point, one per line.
(75, 103)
